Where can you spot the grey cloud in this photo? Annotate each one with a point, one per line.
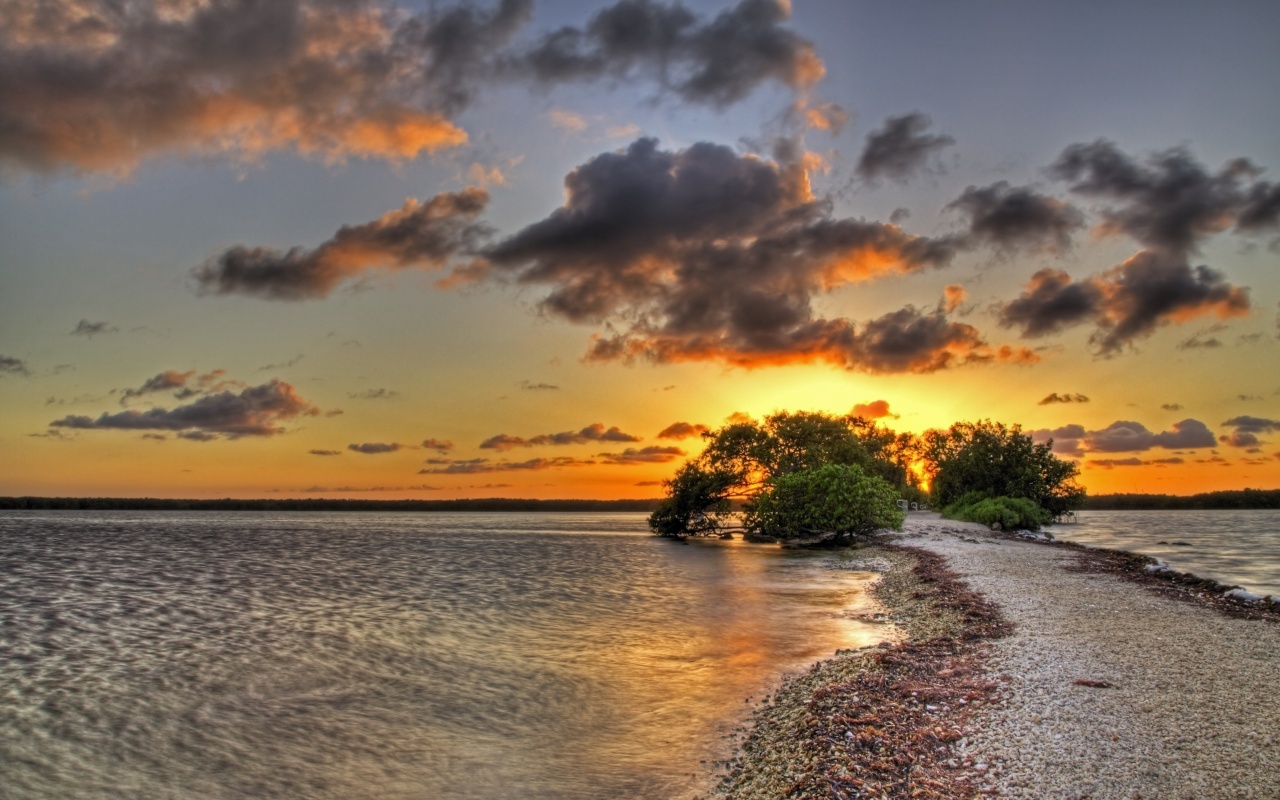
(682, 430)
(169, 380)
(1169, 202)
(1126, 303)
(899, 148)
(14, 366)
(596, 432)
(325, 452)
(1171, 406)
(642, 455)
(1066, 439)
(1247, 424)
(184, 385)
(705, 254)
(375, 448)
(1126, 436)
(1240, 439)
(717, 62)
(538, 387)
(439, 445)
(381, 393)
(426, 235)
(477, 466)
(256, 411)
(91, 329)
(1054, 397)
(1017, 217)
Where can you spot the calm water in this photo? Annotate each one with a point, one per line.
(1241, 547)
(236, 655)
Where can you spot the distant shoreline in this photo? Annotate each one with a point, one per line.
(1244, 499)
(316, 504)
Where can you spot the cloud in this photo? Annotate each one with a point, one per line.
(14, 366)
(184, 385)
(567, 121)
(477, 466)
(92, 329)
(1249, 424)
(1125, 436)
(325, 452)
(1240, 439)
(595, 432)
(255, 411)
(1066, 439)
(422, 487)
(169, 380)
(705, 254)
(381, 393)
(376, 448)
(1010, 218)
(293, 362)
(899, 148)
(953, 295)
(420, 235)
(876, 409)
(1110, 463)
(1062, 398)
(537, 387)
(642, 455)
(439, 445)
(716, 62)
(97, 85)
(682, 430)
(1171, 406)
(1126, 303)
(1169, 202)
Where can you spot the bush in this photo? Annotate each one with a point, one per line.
(835, 501)
(1013, 513)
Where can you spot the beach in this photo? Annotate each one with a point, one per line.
(1062, 672)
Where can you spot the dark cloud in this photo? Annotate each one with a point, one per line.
(596, 432)
(1126, 437)
(1062, 398)
(1171, 406)
(325, 452)
(900, 148)
(1010, 218)
(1240, 439)
(293, 362)
(183, 385)
(381, 393)
(255, 411)
(100, 85)
(715, 62)
(169, 380)
(682, 430)
(423, 235)
(1201, 340)
(439, 445)
(1066, 439)
(422, 487)
(1050, 302)
(1169, 202)
(642, 455)
(477, 466)
(1109, 463)
(876, 409)
(705, 254)
(375, 448)
(14, 366)
(1127, 302)
(92, 329)
(538, 387)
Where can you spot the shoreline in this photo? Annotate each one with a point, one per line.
(1076, 683)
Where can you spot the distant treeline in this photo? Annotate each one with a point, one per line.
(317, 504)
(1245, 498)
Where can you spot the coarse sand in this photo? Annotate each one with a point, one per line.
(1110, 689)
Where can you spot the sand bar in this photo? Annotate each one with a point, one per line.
(1106, 687)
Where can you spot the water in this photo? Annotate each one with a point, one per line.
(1239, 547)
(427, 656)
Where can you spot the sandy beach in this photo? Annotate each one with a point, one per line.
(1095, 682)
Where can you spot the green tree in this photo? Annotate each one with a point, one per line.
(988, 459)
(831, 503)
(745, 459)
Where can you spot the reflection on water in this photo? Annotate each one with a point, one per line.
(176, 655)
(1240, 547)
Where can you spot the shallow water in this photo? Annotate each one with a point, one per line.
(234, 655)
(1238, 547)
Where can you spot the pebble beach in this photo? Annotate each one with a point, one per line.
(1028, 670)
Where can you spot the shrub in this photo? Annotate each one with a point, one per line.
(836, 501)
(1012, 513)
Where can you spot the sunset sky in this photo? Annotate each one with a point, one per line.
(339, 248)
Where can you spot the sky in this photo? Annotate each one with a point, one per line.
(342, 248)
